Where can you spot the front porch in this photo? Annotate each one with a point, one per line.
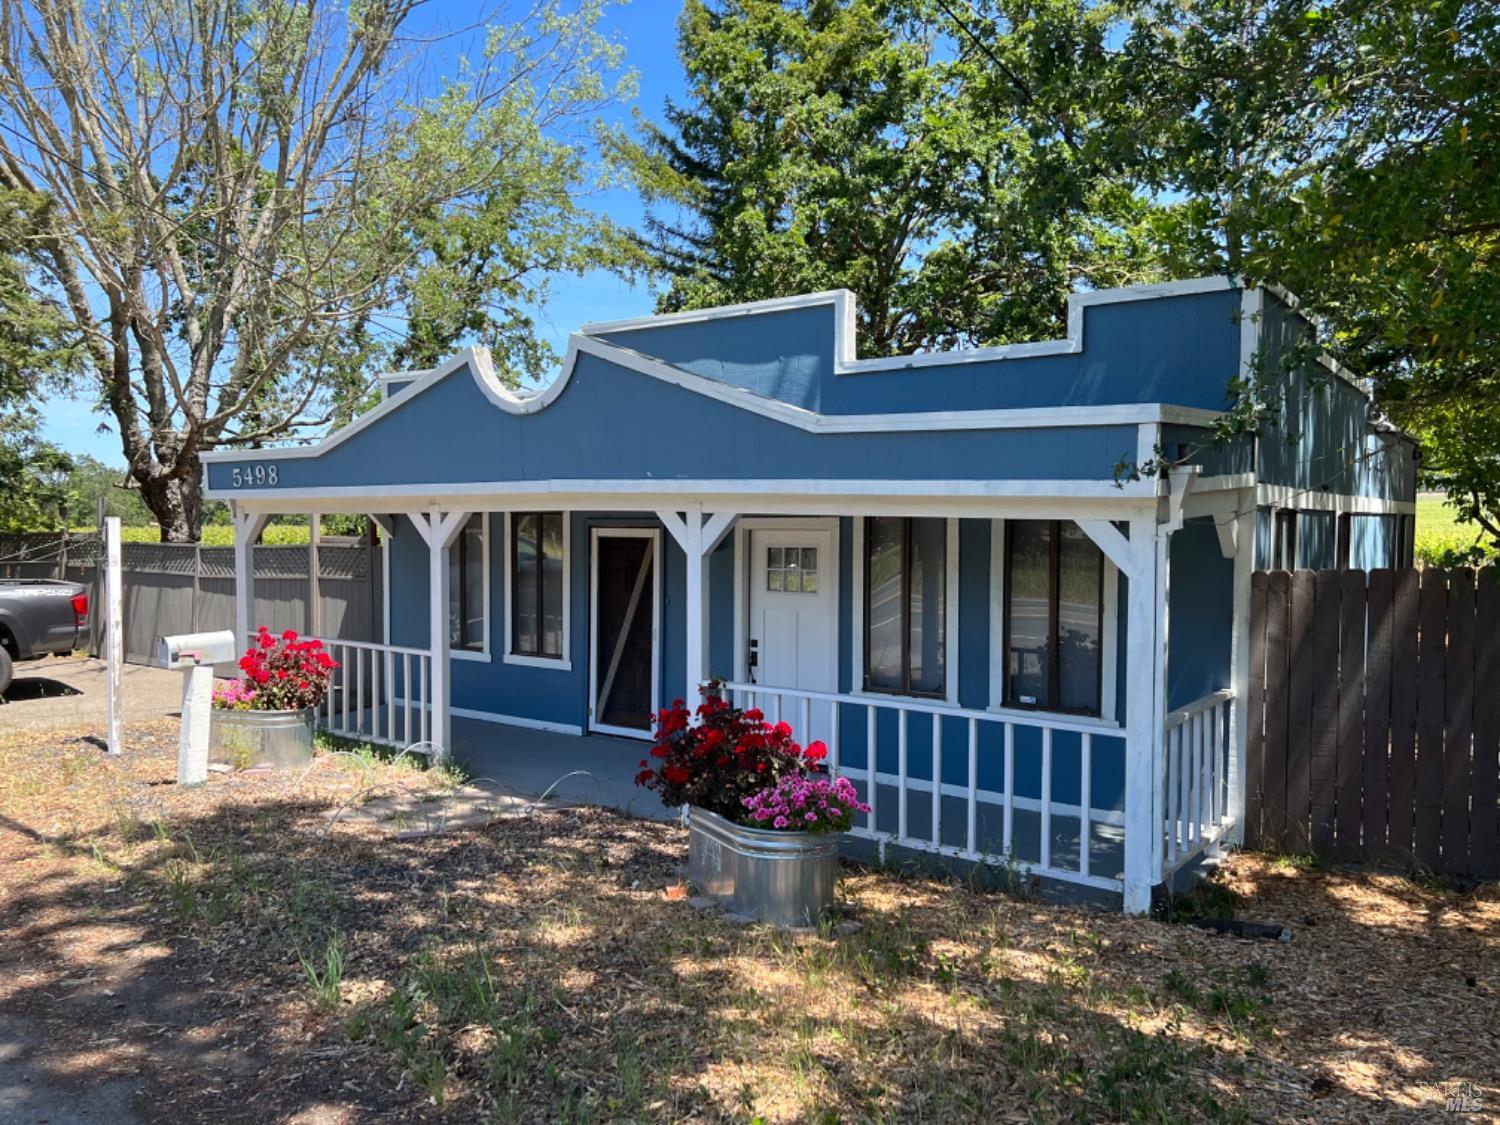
(1113, 802)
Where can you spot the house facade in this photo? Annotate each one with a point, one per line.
(942, 565)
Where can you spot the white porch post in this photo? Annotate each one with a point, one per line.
(247, 529)
(1145, 715)
(1142, 559)
(1239, 706)
(314, 590)
(439, 529)
(697, 536)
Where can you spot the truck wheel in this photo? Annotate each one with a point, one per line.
(5, 670)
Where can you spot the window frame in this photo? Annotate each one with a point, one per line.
(564, 662)
(1054, 616)
(944, 693)
(1284, 520)
(482, 650)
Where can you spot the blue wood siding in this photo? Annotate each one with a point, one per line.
(612, 423)
(1182, 350)
(1199, 614)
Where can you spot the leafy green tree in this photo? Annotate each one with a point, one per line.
(1348, 151)
(37, 349)
(254, 205)
(931, 155)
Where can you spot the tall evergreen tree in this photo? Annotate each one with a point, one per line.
(932, 155)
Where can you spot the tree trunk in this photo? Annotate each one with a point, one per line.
(177, 504)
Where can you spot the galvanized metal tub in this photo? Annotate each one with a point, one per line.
(785, 878)
(243, 739)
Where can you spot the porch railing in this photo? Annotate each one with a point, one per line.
(1194, 779)
(379, 693)
(1068, 833)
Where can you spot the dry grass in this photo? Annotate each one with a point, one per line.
(534, 971)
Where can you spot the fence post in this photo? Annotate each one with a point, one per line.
(114, 640)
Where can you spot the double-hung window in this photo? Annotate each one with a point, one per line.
(1284, 545)
(906, 596)
(468, 587)
(1054, 617)
(536, 584)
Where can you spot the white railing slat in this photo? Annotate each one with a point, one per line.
(870, 758)
(901, 772)
(1046, 844)
(1085, 800)
(937, 779)
(973, 786)
(1008, 828)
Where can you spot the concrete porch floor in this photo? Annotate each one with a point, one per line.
(527, 762)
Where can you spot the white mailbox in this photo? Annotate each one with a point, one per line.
(187, 650)
(195, 655)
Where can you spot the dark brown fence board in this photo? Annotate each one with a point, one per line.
(1403, 762)
(1431, 701)
(1301, 674)
(1324, 735)
(1278, 604)
(1484, 831)
(1458, 709)
(1379, 603)
(1256, 708)
(1349, 782)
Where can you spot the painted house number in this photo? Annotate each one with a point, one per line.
(253, 474)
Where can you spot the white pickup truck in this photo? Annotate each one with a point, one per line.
(39, 616)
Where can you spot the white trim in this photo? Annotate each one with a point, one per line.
(743, 563)
(951, 649)
(477, 362)
(481, 654)
(385, 582)
(1109, 647)
(504, 720)
(563, 663)
(586, 493)
(654, 535)
(1310, 500)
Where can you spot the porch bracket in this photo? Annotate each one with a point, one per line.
(697, 534)
(247, 529)
(439, 530)
(1123, 552)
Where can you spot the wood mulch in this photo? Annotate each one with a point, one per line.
(168, 943)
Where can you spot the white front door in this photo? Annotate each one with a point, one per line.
(793, 625)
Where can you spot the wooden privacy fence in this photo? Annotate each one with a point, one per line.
(1374, 710)
(187, 588)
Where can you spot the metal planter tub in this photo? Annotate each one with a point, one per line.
(243, 739)
(785, 878)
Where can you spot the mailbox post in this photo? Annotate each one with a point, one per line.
(195, 655)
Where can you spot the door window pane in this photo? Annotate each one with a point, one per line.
(792, 570)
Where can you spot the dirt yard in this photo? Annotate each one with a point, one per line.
(223, 954)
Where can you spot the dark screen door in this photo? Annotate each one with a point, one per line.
(625, 612)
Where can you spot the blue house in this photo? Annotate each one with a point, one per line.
(940, 564)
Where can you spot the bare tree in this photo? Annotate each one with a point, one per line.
(250, 203)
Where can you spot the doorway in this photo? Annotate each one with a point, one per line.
(624, 641)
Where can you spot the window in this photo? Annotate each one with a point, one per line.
(467, 588)
(792, 570)
(1054, 617)
(906, 576)
(536, 585)
(1284, 546)
(1405, 541)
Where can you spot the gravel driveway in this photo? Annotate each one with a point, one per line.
(69, 692)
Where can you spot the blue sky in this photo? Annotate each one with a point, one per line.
(647, 28)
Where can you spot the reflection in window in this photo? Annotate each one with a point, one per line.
(536, 567)
(906, 572)
(792, 570)
(1054, 616)
(466, 608)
